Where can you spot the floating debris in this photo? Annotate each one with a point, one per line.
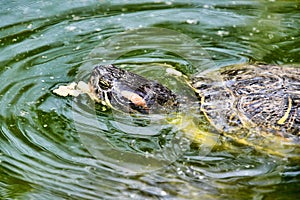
(65, 90)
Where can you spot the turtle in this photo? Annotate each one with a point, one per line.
(241, 101)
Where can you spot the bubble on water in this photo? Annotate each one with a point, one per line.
(23, 113)
(70, 28)
(163, 193)
(255, 29)
(192, 21)
(208, 6)
(75, 17)
(222, 33)
(271, 36)
(29, 26)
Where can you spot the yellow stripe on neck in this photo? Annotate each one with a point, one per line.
(286, 114)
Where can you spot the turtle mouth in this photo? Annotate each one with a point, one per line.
(129, 92)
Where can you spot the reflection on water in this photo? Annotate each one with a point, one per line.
(48, 43)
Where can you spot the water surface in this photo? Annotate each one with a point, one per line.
(62, 148)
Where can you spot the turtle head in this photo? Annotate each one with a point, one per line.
(101, 82)
(129, 92)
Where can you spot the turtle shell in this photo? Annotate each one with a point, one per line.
(264, 98)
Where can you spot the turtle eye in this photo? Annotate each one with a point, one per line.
(104, 85)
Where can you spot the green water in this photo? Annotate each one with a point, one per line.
(63, 148)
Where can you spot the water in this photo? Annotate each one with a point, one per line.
(60, 148)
